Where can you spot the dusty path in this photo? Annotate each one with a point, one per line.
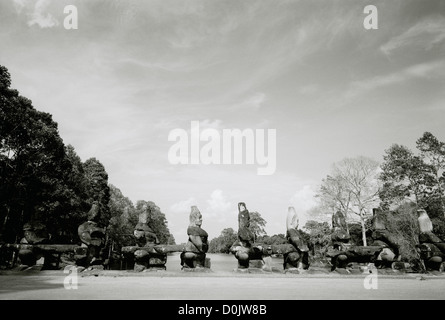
(210, 288)
(220, 284)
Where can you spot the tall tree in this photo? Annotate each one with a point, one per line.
(257, 224)
(353, 187)
(158, 221)
(405, 176)
(123, 219)
(433, 153)
(32, 163)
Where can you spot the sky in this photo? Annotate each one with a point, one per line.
(135, 70)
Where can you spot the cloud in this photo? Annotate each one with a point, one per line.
(425, 70)
(19, 5)
(39, 17)
(218, 205)
(183, 206)
(252, 103)
(425, 34)
(303, 200)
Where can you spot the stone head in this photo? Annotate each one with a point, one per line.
(241, 206)
(93, 214)
(195, 217)
(292, 220)
(424, 220)
(338, 220)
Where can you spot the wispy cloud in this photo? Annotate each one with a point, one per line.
(425, 34)
(425, 70)
(252, 103)
(183, 206)
(218, 205)
(39, 14)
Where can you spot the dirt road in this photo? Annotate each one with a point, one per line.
(219, 284)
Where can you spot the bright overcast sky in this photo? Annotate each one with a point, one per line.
(135, 70)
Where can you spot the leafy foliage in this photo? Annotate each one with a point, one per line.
(319, 235)
(223, 242)
(42, 179)
(353, 187)
(257, 224)
(33, 165)
(158, 221)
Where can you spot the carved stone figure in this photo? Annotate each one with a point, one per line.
(93, 240)
(295, 256)
(340, 232)
(34, 233)
(243, 248)
(381, 236)
(342, 252)
(194, 254)
(340, 238)
(147, 254)
(431, 247)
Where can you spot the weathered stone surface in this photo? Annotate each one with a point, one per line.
(244, 249)
(194, 253)
(296, 253)
(148, 252)
(431, 247)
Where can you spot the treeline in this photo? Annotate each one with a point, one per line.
(402, 183)
(42, 179)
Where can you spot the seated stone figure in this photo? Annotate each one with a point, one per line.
(34, 232)
(381, 236)
(93, 240)
(243, 248)
(380, 252)
(147, 254)
(340, 233)
(431, 247)
(295, 256)
(194, 254)
(340, 238)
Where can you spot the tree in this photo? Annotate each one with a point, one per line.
(123, 219)
(433, 153)
(32, 164)
(157, 220)
(223, 242)
(319, 234)
(257, 224)
(405, 176)
(276, 239)
(353, 187)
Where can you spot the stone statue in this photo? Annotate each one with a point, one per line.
(34, 233)
(147, 254)
(340, 231)
(194, 254)
(143, 234)
(243, 248)
(431, 247)
(296, 256)
(93, 240)
(340, 238)
(381, 236)
(342, 251)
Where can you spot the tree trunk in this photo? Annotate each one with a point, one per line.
(362, 222)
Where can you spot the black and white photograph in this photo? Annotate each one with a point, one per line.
(222, 154)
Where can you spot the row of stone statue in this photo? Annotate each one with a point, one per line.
(383, 251)
(148, 253)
